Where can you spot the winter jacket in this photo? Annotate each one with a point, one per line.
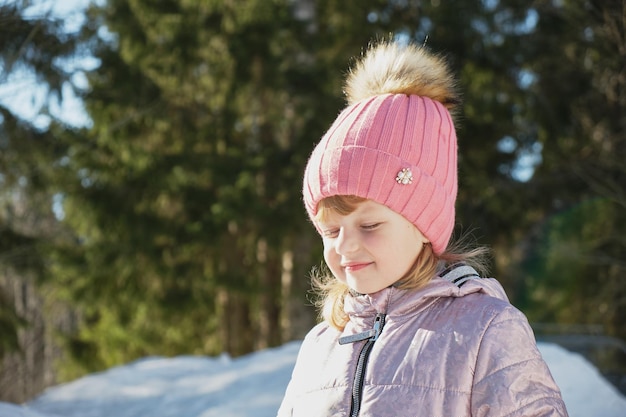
(445, 350)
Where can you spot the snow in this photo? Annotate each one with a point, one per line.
(253, 385)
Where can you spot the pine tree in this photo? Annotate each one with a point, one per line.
(579, 99)
(32, 46)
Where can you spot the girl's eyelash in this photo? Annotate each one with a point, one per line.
(335, 232)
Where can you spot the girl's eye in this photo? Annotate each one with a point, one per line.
(370, 226)
(330, 233)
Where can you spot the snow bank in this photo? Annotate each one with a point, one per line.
(253, 386)
(584, 389)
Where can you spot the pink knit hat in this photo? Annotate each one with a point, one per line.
(395, 143)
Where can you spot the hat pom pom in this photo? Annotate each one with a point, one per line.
(390, 68)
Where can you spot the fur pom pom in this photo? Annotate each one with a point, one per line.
(388, 67)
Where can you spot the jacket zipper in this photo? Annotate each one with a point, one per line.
(359, 375)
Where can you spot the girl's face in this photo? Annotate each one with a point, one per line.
(370, 248)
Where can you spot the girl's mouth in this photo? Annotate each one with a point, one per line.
(353, 267)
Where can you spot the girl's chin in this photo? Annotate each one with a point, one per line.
(364, 289)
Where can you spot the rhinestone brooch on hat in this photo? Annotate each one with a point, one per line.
(405, 176)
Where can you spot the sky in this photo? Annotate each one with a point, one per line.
(253, 385)
(25, 95)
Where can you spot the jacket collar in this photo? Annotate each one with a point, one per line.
(456, 281)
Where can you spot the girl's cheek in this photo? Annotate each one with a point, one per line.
(328, 251)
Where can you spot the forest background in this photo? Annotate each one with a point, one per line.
(171, 223)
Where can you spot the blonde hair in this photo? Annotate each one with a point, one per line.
(331, 293)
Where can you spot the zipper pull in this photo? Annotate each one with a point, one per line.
(379, 322)
(371, 334)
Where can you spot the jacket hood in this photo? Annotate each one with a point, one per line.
(456, 282)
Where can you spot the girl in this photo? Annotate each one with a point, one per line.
(409, 327)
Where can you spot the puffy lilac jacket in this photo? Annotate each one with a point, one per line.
(441, 351)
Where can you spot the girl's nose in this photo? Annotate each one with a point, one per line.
(346, 242)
